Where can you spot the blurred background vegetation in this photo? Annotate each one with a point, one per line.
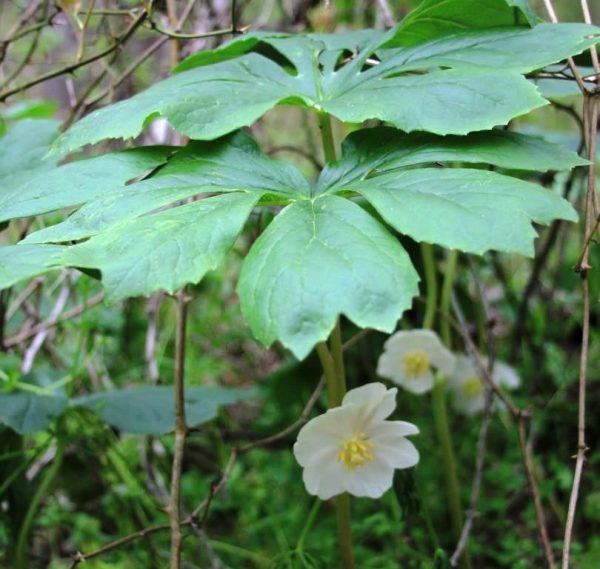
(76, 483)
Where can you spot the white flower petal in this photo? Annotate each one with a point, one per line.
(420, 385)
(375, 400)
(391, 363)
(441, 358)
(334, 424)
(469, 406)
(506, 376)
(325, 479)
(463, 370)
(400, 453)
(370, 394)
(392, 429)
(365, 469)
(390, 366)
(369, 481)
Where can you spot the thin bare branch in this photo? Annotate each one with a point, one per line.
(587, 17)
(591, 106)
(17, 29)
(74, 66)
(49, 323)
(40, 337)
(574, 69)
(183, 301)
(520, 417)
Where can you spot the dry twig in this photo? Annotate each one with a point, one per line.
(520, 417)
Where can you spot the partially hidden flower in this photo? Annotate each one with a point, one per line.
(409, 358)
(468, 389)
(352, 448)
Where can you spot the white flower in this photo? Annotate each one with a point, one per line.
(409, 356)
(352, 448)
(468, 387)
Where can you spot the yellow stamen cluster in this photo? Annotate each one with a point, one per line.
(355, 452)
(416, 364)
(472, 387)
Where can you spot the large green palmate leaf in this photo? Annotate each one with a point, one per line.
(232, 164)
(164, 250)
(139, 253)
(78, 182)
(319, 259)
(469, 210)
(436, 18)
(148, 410)
(18, 262)
(375, 150)
(471, 80)
(22, 149)
(323, 255)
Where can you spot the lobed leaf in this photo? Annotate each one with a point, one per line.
(78, 182)
(317, 260)
(18, 262)
(375, 150)
(468, 81)
(22, 150)
(234, 163)
(469, 210)
(164, 250)
(436, 18)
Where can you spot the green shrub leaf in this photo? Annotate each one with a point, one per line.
(29, 412)
(148, 410)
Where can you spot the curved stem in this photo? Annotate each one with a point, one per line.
(333, 367)
(338, 363)
(342, 509)
(308, 525)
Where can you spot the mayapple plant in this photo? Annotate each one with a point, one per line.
(438, 83)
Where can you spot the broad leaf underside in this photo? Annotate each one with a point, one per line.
(152, 221)
(467, 81)
(318, 259)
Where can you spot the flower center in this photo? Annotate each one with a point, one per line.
(355, 452)
(472, 387)
(416, 364)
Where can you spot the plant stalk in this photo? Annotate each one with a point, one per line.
(327, 137)
(333, 367)
(440, 417)
(332, 360)
(446, 296)
(440, 413)
(180, 431)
